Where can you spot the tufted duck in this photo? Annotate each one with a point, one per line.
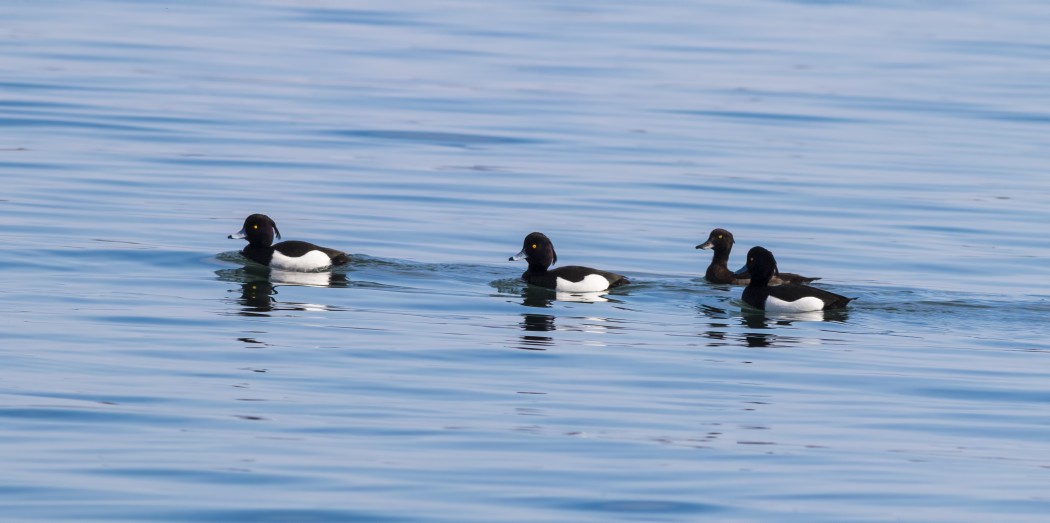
(259, 230)
(539, 252)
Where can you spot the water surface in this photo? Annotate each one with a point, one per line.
(897, 150)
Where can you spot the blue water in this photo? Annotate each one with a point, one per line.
(898, 150)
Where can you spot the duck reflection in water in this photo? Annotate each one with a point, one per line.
(259, 288)
(759, 328)
(257, 296)
(541, 299)
(536, 323)
(764, 321)
(532, 296)
(533, 324)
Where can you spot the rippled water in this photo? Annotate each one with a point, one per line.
(898, 150)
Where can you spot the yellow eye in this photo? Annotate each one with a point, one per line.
(719, 236)
(534, 246)
(255, 226)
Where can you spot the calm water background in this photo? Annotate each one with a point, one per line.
(897, 149)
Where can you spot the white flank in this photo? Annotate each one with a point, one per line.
(807, 304)
(310, 261)
(590, 283)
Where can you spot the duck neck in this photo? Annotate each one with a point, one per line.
(536, 268)
(720, 257)
(257, 248)
(760, 281)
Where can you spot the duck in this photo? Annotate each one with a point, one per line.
(538, 250)
(721, 241)
(260, 229)
(787, 297)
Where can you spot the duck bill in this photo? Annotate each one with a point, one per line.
(741, 271)
(706, 245)
(239, 235)
(518, 256)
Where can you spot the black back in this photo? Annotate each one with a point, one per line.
(573, 273)
(296, 249)
(787, 277)
(792, 292)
